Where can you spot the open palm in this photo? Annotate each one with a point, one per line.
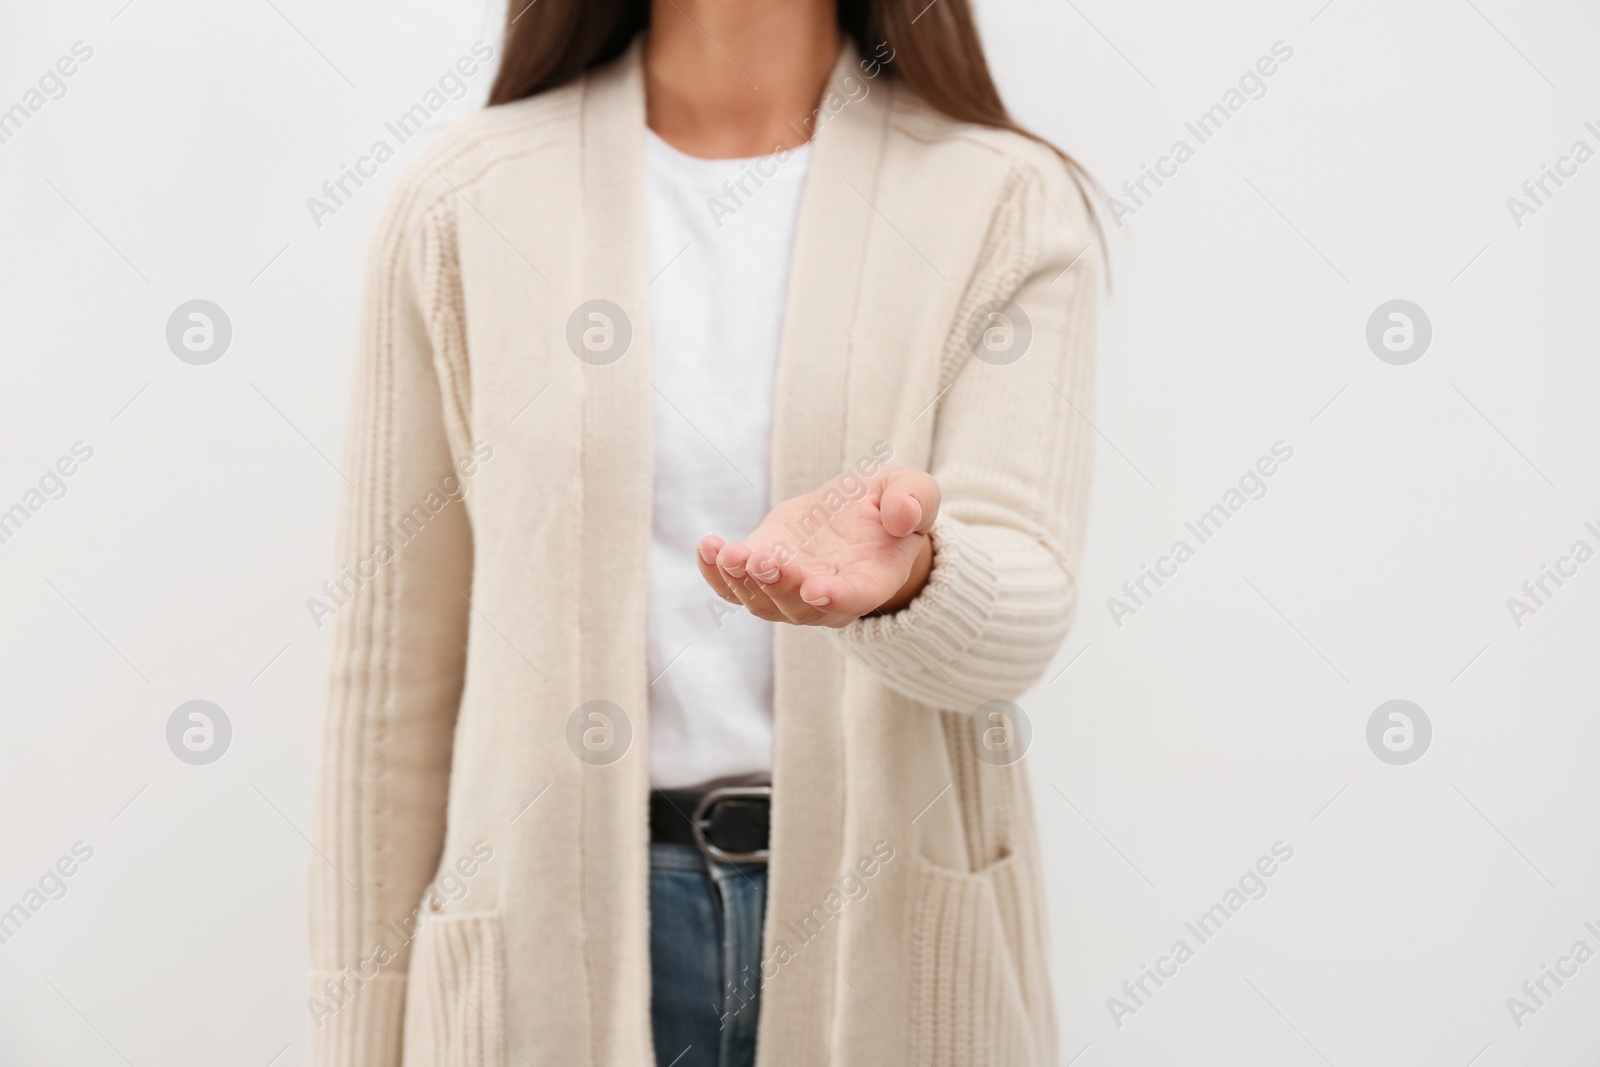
(832, 555)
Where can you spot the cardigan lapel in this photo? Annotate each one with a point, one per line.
(809, 441)
(809, 431)
(836, 214)
(615, 542)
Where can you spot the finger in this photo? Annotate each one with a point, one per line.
(781, 579)
(909, 503)
(731, 561)
(847, 595)
(732, 558)
(706, 557)
(756, 601)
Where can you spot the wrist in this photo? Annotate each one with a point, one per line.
(921, 568)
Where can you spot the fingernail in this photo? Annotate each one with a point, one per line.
(708, 555)
(767, 576)
(736, 571)
(820, 602)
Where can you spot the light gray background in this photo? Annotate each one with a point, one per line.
(1168, 753)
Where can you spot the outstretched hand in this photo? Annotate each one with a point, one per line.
(830, 556)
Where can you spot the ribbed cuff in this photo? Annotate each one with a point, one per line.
(355, 1022)
(941, 624)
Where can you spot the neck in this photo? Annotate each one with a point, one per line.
(725, 79)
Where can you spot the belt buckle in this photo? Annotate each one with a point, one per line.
(700, 822)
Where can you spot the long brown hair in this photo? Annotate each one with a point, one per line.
(934, 47)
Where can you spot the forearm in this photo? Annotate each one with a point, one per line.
(985, 626)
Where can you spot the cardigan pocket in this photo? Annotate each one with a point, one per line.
(456, 1010)
(967, 1006)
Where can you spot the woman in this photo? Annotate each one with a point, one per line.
(574, 805)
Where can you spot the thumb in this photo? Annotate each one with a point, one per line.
(909, 502)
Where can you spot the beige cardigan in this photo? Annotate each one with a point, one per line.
(478, 892)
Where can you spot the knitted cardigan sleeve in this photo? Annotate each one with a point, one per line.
(1012, 452)
(399, 632)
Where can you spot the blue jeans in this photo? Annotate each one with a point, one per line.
(705, 957)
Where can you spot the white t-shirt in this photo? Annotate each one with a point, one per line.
(721, 238)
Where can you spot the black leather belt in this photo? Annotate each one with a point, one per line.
(730, 825)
